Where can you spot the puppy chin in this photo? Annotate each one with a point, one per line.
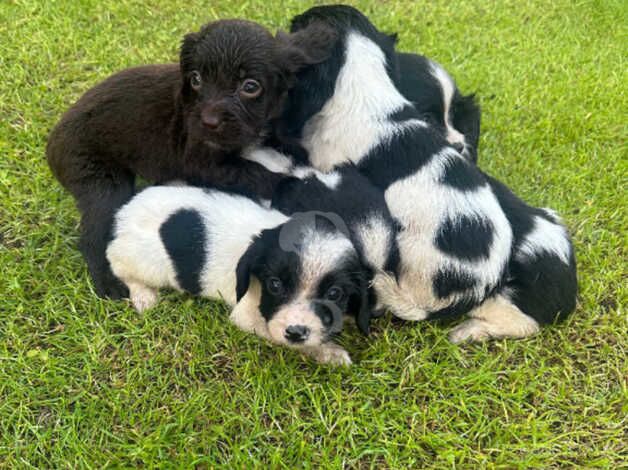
(234, 142)
(296, 315)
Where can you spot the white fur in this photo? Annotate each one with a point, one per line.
(247, 317)
(545, 236)
(351, 123)
(375, 234)
(330, 179)
(422, 203)
(448, 87)
(137, 254)
(268, 157)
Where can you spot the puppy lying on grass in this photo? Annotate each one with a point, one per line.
(466, 243)
(291, 280)
(176, 121)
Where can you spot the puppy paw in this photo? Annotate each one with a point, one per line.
(142, 297)
(107, 286)
(470, 330)
(331, 354)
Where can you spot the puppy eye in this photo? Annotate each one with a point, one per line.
(250, 88)
(334, 294)
(274, 285)
(195, 80)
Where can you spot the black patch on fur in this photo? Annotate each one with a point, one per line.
(417, 84)
(454, 310)
(404, 154)
(465, 237)
(448, 281)
(405, 113)
(462, 175)
(544, 287)
(183, 236)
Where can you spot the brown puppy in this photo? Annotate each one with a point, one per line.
(185, 121)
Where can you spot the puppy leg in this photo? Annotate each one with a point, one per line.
(497, 317)
(328, 353)
(142, 296)
(97, 200)
(246, 315)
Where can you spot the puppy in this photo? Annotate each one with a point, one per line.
(435, 96)
(466, 243)
(349, 195)
(184, 121)
(291, 280)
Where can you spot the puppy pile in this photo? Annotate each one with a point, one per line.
(336, 178)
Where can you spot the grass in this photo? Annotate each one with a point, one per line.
(87, 383)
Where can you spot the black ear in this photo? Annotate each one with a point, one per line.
(466, 119)
(187, 52)
(310, 45)
(246, 266)
(393, 37)
(365, 305)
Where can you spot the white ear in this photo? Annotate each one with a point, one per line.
(246, 315)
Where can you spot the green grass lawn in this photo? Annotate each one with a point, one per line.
(86, 382)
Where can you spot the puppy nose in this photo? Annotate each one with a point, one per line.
(211, 120)
(297, 333)
(459, 146)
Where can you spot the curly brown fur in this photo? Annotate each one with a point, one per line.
(176, 121)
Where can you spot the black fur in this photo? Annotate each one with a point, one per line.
(448, 281)
(151, 122)
(457, 175)
(465, 237)
(183, 236)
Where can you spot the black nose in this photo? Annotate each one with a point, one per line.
(459, 146)
(297, 333)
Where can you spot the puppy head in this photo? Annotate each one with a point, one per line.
(235, 75)
(316, 84)
(310, 277)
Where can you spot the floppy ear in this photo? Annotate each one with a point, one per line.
(310, 45)
(187, 55)
(366, 303)
(245, 267)
(466, 118)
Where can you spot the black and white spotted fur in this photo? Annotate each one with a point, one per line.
(434, 94)
(466, 243)
(268, 266)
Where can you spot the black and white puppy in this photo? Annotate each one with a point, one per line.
(291, 280)
(350, 196)
(466, 243)
(434, 94)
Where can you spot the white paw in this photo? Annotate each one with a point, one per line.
(143, 298)
(470, 330)
(332, 354)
